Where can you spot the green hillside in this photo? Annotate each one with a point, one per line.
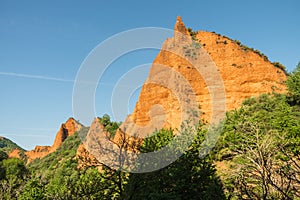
(7, 145)
(64, 154)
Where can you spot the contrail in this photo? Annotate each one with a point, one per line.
(28, 129)
(25, 135)
(54, 78)
(35, 77)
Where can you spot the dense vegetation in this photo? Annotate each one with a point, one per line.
(256, 157)
(260, 148)
(6, 145)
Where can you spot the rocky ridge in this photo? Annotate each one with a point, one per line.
(66, 129)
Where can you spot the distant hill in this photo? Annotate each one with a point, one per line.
(66, 129)
(8, 145)
(11, 148)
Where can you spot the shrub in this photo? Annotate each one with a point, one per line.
(279, 65)
(293, 85)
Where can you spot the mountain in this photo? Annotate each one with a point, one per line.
(7, 145)
(67, 129)
(244, 73)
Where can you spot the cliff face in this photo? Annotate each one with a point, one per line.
(244, 72)
(37, 152)
(66, 129)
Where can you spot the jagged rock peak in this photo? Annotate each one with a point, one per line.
(180, 27)
(66, 129)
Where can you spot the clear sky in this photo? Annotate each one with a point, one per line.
(43, 43)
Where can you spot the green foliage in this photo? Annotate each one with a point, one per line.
(191, 50)
(109, 125)
(238, 42)
(32, 190)
(293, 85)
(280, 66)
(14, 168)
(91, 185)
(156, 141)
(187, 178)
(267, 113)
(260, 142)
(7, 146)
(105, 120)
(13, 176)
(246, 48)
(55, 172)
(69, 183)
(3, 155)
(192, 33)
(262, 134)
(56, 177)
(64, 155)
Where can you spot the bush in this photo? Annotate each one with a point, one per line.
(293, 85)
(192, 33)
(3, 155)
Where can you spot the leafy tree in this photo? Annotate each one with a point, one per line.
(3, 155)
(105, 120)
(190, 177)
(110, 126)
(14, 168)
(55, 174)
(293, 85)
(91, 185)
(59, 177)
(260, 141)
(15, 175)
(33, 189)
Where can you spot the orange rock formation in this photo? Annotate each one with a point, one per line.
(244, 72)
(66, 129)
(16, 153)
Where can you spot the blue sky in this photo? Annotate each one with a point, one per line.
(43, 43)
